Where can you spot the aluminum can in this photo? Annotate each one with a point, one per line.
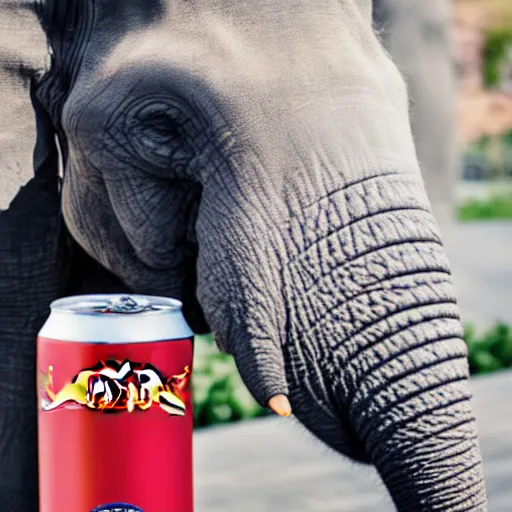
(115, 411)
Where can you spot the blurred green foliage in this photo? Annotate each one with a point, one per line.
(491, 351)
(219, 393)
(495, 207)
(489, 158)
(494, 51)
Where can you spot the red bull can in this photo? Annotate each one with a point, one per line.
(115, 411)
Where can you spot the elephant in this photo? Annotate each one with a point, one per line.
(255, 160)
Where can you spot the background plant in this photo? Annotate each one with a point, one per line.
(495, 207)
(219, 393)
(497, 42)
(491, 350)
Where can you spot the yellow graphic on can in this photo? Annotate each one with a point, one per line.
(119, 386)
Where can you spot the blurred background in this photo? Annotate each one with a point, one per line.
(483, 50)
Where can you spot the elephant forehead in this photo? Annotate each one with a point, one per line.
(252, 65)
(258, 44)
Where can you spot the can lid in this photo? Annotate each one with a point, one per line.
(115, 304)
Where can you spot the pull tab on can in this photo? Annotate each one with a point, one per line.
(126, 305)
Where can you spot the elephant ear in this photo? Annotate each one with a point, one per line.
(34, 268)
(23, 52)
(35, 250)
(31, 253)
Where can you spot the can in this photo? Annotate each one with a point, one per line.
(115, 413)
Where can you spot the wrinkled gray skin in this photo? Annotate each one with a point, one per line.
(273, 141)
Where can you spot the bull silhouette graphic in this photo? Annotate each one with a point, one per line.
(119, 386)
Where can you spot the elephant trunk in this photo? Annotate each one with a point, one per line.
(376, 342)
(345, 303)
(410, 408)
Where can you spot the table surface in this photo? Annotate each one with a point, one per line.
(273, 464)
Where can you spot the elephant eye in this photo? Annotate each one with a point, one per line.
(157, 133)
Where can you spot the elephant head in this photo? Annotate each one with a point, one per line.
(266, 146)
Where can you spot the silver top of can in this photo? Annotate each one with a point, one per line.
(115, 319)
(115, 304)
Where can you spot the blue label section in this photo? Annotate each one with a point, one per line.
(117, 507)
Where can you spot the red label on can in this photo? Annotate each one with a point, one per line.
(115, 425)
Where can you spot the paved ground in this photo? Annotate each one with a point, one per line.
(481, 257)
(273, 465)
